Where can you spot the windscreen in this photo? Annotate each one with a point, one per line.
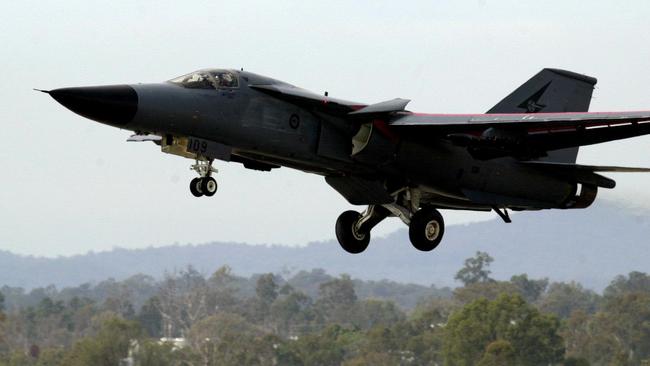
(208, 79)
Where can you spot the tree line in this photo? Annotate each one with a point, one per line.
(312, 318)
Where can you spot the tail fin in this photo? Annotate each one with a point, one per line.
(551, 90)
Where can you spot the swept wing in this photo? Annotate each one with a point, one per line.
(526, 135)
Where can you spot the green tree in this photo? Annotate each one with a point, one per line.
(119, 305)
(51, 357)
(259, 307)
(380, 346)
(374, 358)
(529, 289)
(2, 323)
(266, 288)
(498, 353)
(108, 346)
(533, 336)
(422, 335)
(151, 353)
(328, 348)
(591, 336)
(48, 307)
(629, 319)
(574, 361)
(309, 282)
(150, 317)
(381, 339)
(370, 313)
(18, 358)
(292, 313)
(475, 269)
(223, 289)
(634, 282)
(228, 339)
(484, 290)
(337, 299)
(564, 298)
(183, 299)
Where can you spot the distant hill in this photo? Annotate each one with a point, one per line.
(589, 246)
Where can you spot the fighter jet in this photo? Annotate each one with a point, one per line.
(520, 155)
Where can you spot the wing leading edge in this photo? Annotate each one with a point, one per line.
(308, 99)
(333, 106)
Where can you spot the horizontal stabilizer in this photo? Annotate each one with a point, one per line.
(591, 168)
(585, 174)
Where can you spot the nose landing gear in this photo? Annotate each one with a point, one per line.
(205, 185)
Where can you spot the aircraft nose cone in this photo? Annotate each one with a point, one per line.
(112, 104)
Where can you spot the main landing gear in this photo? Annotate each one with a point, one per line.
(426, 229)
(205, 185)
(426, 226)
(353, 228)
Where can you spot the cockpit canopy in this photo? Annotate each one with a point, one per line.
(208, 79)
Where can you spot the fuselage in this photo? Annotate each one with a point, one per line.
(262, 128)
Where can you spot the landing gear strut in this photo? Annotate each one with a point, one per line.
(205, 185)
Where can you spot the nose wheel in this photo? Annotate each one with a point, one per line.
(205, 185)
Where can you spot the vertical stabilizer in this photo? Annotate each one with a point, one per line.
(551, 90)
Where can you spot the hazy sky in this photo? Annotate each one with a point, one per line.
(70, 185)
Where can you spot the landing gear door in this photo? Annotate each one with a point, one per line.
(209, 149)
(195, 148)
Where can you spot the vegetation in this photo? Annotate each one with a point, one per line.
(312, 318)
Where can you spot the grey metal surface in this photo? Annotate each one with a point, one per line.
(461, 161)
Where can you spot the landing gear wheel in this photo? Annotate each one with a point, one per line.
(352, 240)
(208, 186)
(195, 187)
(426, 229)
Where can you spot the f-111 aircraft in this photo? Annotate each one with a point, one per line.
(520, 155)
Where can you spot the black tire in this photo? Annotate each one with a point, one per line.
(426, 229)
(351, 241)
(209, 186)
(195, 187)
